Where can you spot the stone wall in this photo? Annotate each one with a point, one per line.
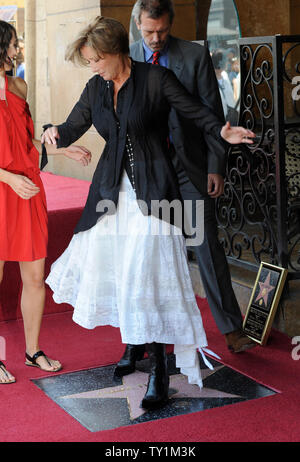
(54, 84)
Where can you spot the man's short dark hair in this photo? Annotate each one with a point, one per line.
(154, 9)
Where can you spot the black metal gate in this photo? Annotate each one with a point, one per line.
(259, 213)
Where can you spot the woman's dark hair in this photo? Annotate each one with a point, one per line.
(7, 31)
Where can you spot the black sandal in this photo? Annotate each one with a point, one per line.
(3, 368)
(31, 361)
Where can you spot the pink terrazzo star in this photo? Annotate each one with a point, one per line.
(135, 385)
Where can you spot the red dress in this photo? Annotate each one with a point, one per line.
(23, 223)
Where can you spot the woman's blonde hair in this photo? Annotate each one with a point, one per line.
(104, 35)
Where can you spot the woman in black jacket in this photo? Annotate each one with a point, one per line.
(121, 268)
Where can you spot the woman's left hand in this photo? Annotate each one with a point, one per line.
(237, 135)
(78, 153)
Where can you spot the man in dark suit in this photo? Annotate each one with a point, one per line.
(192, 65)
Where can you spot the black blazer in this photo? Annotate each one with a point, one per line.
(192, 65)
(144, 104)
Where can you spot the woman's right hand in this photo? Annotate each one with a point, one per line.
(50, 135)
(23, 186)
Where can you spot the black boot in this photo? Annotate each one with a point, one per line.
(126, 365)
(158, 383)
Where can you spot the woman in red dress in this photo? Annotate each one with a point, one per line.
(23, 212)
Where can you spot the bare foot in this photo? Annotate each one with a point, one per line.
(44, 363)
(48, 364)
(5, 376)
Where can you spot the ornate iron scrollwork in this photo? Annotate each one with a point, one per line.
(259, 213)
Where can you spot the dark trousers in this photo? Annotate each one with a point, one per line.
(213, 264)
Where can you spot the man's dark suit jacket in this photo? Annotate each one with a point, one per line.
(192, 65)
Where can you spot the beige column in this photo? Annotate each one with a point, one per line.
(30, 34)
(64, 19)
(54, 86)
(37, 65)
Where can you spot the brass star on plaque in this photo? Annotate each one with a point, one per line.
(265, 289)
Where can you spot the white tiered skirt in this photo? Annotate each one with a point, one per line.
(118, 273)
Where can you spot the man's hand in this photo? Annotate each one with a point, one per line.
(50, 135)
(215, 185)
(78, 153)
(237, 135)
(23, 186)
